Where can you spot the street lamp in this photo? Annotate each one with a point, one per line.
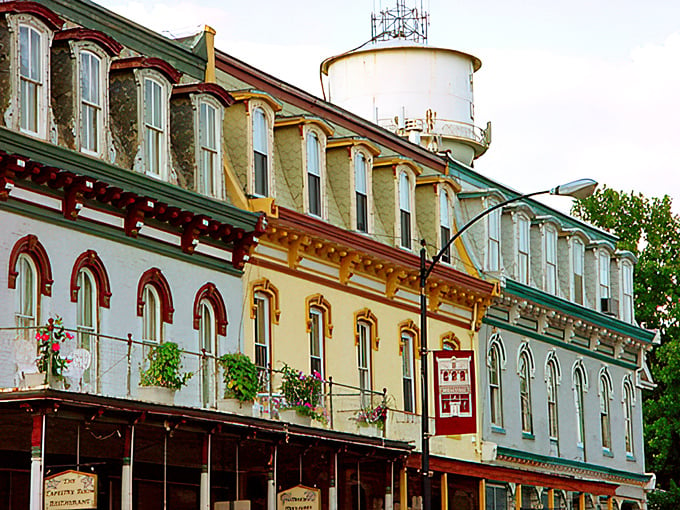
(581, 188)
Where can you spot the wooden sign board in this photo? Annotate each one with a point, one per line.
(299, 498)
(71, 490)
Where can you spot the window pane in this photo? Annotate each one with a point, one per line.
(404, 193)
(261, 182)
(35, 73)
(405, 229)
(360, 180)
(445, 235)
(407, 371)
(24, 51)
(260, 132)
(362, 212)
(314, 183)
(313, 154)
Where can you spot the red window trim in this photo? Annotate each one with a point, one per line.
(91, 261)
(155, 278)
(31, 246)
(210, 293)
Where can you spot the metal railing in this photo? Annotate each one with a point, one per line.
(443, 127)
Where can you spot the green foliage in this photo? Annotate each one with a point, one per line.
(303, 392)
(50, 337)
(165, 367)
(240, 376)
(665, 500)
(648, 228)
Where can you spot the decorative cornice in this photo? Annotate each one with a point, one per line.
(304, 119)
(212, 89)
(154, 63)
(393, 161)
(352, 141)
(109, 44)
(247, 95)
(50, 18)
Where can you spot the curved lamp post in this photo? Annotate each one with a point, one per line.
(581, 188)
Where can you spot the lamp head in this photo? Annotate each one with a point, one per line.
(581, 188)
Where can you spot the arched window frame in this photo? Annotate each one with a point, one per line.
(579, 377)
(368, 317)
(495, 362)
(405, 218)
(317, 306)
(209, 293)
(312, 133)
(550, 266)
(366, 327)
(358, 155)
(154, 278)
(31, 246)
(265, 286)
(82, 48)
(523, 248)
(211, 185)
(90, 260)
(628, 399)
(525, 372)
(207, 346)
(407, 351)
(604, 283)
(146, 77)
(605, 394)
(449, 341)
(255, 106)
(577, 256)
(88, 327)
(445, 221)
(553, 377)
(27, 302)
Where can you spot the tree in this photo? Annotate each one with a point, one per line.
(648, 228)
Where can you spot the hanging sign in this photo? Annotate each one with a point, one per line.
(299, 498)
(71, 490)
(455, 411)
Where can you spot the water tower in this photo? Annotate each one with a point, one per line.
(409, 88)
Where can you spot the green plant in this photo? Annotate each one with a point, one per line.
(50, 337)
(303, 392)
(240, 376)
(372, 416)
(165, 367)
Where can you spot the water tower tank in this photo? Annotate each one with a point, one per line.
(414, 90)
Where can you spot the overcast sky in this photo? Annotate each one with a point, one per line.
(586, 88)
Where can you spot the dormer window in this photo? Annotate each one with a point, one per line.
(314, 181)
(445, 224)
(405, 210)
(577, 257)
(361, 191)
(209, 134)
(155, 133)
(550, 260)
(90, 102)
(626, 291)
(261, 152)
(494, 240)
(604, 284)
(523, 249)
(31, 75)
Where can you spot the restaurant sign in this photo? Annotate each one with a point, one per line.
(71, 490)
(299, 498)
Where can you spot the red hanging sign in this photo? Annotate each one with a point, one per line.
(455, 408)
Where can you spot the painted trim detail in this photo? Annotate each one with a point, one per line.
(155, 278)
(318, 301)
(266, 287)
(31, 246)
(91, 261)
(366, 315)
(210, 293)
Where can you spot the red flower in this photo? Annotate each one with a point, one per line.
(45, 337)
(56, 347)
(69, 336)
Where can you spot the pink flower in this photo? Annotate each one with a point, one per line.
(45, 337)
(69, 336)
(56, 347)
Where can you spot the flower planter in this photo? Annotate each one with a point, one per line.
(369, 429)
(292, 416)
(34, 379)
(235, 406)
(157, 394)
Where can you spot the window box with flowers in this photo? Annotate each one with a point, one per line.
(302, 395)
(164, 376)
(371, 421)
(50, 362)
(241, 383)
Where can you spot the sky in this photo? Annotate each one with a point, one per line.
(585, 88)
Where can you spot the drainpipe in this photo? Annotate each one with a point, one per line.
(205, 473)
(37, 461)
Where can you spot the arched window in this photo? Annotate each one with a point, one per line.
(523, 249)
(152, 325)
(551, 381)
(494, 239)
(580, 387)
(154, 304)
(550, 259)
(262, 335)
(27, 297)
(361, 191)
(523, 368)
(493, 363)
(577, 256)
(260, 153)
(605, 390)
(316, 341)
(314, 174)
(207, 344)
(628, 398)
(364, 361)
(33, 79)
(444, 224)
(87, 323)
(155, 127)
(91, 103)
(209, 137)
(626, 291)
(405, 210)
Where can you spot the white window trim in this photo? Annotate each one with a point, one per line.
(141, 75)
(489, 218)
(369, 190)
(550, 229)
(627, 387)
(89, 330)
(403, 169)
(208, 365)
(323, 200)
(520, 219)
(408, 339)
(77, 47)
(254, 104)
(448, 193)
(157, 312)
(44, 113)
(572, 272)
(600, 253)
(627, 313)
(218, 177)
(36, 294)
(320, 338)
(366, 395)
(579, 367)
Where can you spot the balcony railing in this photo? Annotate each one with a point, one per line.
(443, 127)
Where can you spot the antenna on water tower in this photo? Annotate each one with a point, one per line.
(400, 22)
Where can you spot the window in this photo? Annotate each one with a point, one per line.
(551, 260)
(523, 249)
(627, 291)
(444, 224)
(525, 392)
(551, 383)
(405, 210)
(316, 341)
(578, 253)
(209, 151)
(154, 127)
(32, 77)
(361, 191)
(207, 337)
(26, 315)
(87, 317)
(496, 497)
(407, 362)
(151, 315)
(494, 248)
(90, 102)
(261, 152)
(605, 396)
(579, 388)
(604, 281)
(364, 362)
(262, 306)
(314, 174)
(495, 387)
(628, 396)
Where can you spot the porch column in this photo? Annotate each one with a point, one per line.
(582, 501)
(333, 483)
(205, 474)
(37, 459)
(389, 487)
(518, 496)
(403, 488)
(271, 482)
(482, 493)
(610, 503)
(445, 491)
(126, 474)
(551, 499)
